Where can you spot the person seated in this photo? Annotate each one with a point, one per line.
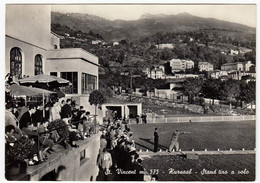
(26, 118)
(44, 138)
(36, 155)
(10, 134)
(38, 115)
(73, 134)
(10, 119)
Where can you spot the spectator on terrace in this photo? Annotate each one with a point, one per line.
(21, 109)
(10, 134)
(26, 118)
(38, 115)
(15, 111)
(55, 111)
(66, 112)
(44, 138)
(10, 119)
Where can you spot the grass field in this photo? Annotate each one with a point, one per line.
(212, 135)
(236, 163)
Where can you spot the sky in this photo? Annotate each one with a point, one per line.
(240, 13)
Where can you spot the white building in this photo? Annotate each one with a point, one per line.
(166, 45)
(217, 74)
(156, 72)
(205, 66)
(234, 52)
(238, 66)
(32, 49)
(178, 65)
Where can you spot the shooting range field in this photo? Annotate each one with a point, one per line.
(211, 136)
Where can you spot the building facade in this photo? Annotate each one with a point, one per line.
(238, 66)
(205, 66)
(156, 72)
(178, 65)
(32, 49)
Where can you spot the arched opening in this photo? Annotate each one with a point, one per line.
(38, 64)
(16, 62)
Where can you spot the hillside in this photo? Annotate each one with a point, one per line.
(149, 24)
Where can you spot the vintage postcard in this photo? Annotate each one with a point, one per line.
(130, 92)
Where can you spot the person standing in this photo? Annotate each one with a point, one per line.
(174, 140)
(66, 110)
(55, 111)
(156, 140)
(137, 119)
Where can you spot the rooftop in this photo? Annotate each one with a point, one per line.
(66, 53)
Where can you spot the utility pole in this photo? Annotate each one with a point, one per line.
(131, 84)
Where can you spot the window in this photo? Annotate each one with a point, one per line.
(73, 78)
(82, 155)
(53, 74)
(16, 62)
(88, 83)
(38, 65)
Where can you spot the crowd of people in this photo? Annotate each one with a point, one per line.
(117, 155)
(32, 131)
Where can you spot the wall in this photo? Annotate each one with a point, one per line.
(31, 23)
(71, 160)
(28, 54)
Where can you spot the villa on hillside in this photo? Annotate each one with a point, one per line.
(165, 45)
(205, 66)
(178, 65)
(155, 72)
(238, 66)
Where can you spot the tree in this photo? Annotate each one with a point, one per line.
(192, 87)
(248, 92)
(230, 90)
(96, 98)
(210, 89)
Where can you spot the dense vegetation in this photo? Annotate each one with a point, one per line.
(117, 63)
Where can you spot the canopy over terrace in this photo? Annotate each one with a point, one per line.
(44, 81)
(18, 90)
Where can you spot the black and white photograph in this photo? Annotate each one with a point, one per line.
(129, 92)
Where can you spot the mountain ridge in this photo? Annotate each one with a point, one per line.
(147, 24)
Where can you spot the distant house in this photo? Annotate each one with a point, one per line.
(95, 42)
(243, 50)
(178, 65)
(66, 34)
(189, 64)
(156, 72)
(173, 91)
(234, 52)
(238, 75)
(238, 66)
(166, 45)
(115, 43)
(205, 66)
(217, 74)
